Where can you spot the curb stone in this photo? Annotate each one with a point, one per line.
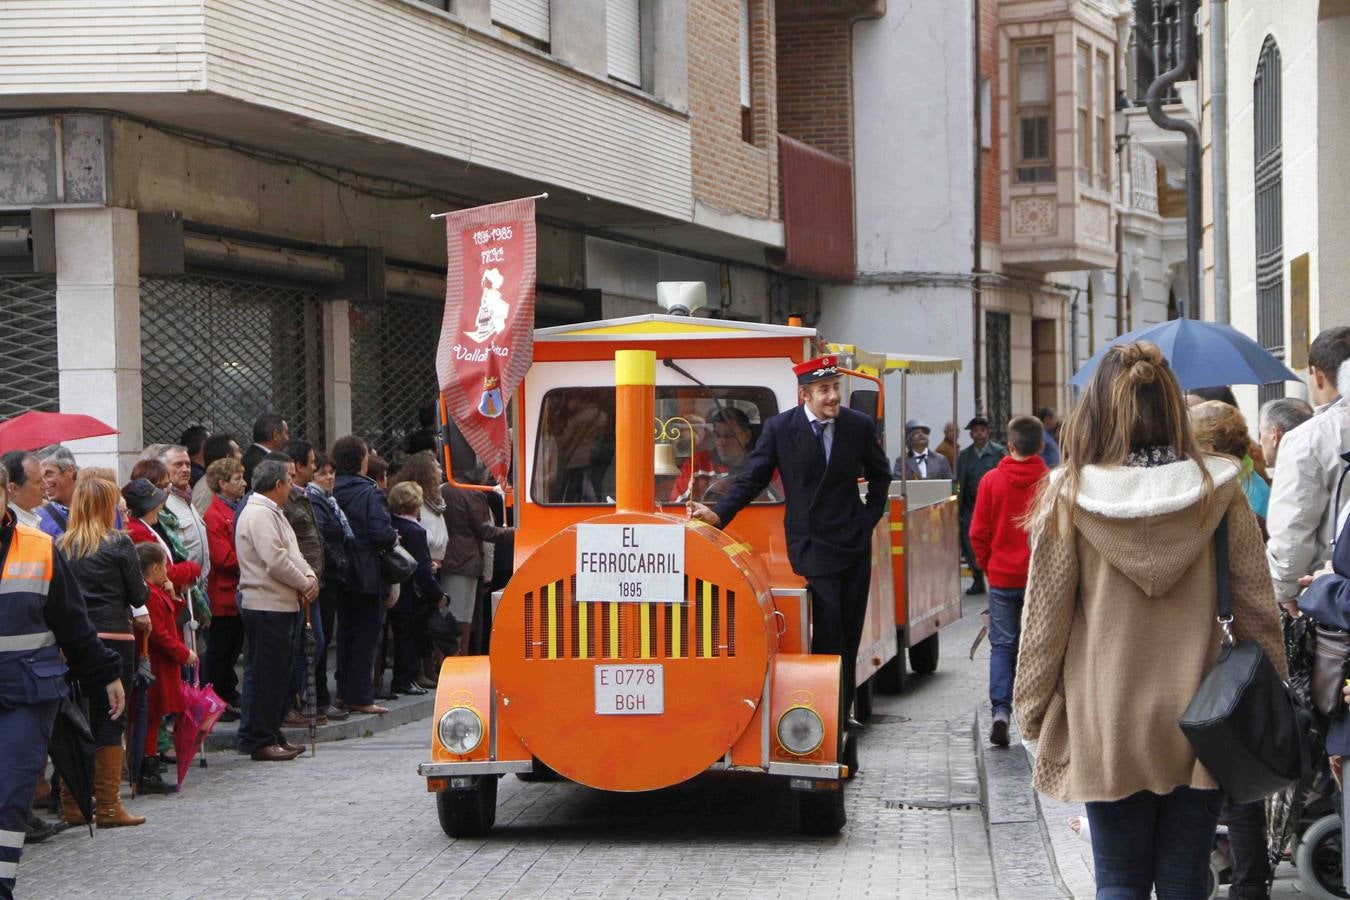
(1023, 856)
(401, 712)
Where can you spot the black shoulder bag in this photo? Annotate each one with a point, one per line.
(1241, 721)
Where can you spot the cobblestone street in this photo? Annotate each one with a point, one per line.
(355, 821)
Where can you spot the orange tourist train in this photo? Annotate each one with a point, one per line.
(634, 649)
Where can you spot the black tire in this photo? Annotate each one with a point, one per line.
(862, 700)
(849, 755)
(821, 813)
(923, 656)
(1319, 859)
(891, 677)
(468, 813)
(541, 773)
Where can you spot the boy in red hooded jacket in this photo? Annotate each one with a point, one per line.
(1003, 552)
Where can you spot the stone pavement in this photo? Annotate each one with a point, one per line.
(355, 821)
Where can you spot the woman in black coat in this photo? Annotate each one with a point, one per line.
(359, 620)
(418, 595)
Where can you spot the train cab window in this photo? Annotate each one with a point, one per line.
(703, 438)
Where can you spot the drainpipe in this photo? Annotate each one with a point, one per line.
(1218, 129)
(977, 260)
(1154, 99)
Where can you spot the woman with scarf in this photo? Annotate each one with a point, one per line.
(337, 539)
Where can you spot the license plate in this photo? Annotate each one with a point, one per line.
(630, 690)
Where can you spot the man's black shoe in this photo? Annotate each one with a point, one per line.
(231, 714)
(38, 830)
(381, 694)
(151, 781)
(413, 690)
(998, 734)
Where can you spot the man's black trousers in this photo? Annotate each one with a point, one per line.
(838, 607)
(270, 659)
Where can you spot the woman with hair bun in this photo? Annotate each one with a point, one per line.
(1120, 623)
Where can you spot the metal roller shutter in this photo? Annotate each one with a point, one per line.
(393, 368)
(529, 17)
(220, 351)
(28, 370)
(623, 40)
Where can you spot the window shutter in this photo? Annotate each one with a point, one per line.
(623, 40)
(745, 54)
(529, 17)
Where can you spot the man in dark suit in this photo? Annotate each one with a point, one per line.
(920, 463)
(819, 450)
(974, 462)
(270, 434)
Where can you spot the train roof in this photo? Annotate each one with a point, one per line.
(659, 325)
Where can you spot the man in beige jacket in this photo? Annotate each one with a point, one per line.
(275, 583)
(1301, 520)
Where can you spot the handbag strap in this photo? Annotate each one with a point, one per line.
(1225, 580)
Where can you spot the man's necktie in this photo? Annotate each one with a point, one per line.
(819, 426)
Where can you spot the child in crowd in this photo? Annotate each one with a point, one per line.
(168, 655)
(1003, 554)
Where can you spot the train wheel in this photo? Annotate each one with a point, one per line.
(821, 813)
(468, 813)
(890, 678)
(862, 699)
(923, 656)
(1319, 859)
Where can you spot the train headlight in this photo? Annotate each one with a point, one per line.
(800, 730)
(460, 730)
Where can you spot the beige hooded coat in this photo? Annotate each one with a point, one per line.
(1119, 627)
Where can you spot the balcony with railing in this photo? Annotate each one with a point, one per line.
(1158, 31)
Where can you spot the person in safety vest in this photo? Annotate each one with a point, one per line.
(42, 616)
(820, 449)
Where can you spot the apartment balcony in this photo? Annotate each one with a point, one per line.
(1057, 141)
(387, 88)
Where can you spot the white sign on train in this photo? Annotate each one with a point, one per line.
(630, 563)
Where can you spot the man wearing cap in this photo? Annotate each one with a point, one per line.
(976, 461)
(920, 463)
(819, 450)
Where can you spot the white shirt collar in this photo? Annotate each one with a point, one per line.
(812, 417)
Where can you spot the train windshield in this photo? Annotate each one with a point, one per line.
(703, 438)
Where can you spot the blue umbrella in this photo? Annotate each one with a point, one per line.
(1202, 354)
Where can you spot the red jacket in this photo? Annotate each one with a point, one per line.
(1000, 544)
(182, 574)
(168, 653)
(222, 582)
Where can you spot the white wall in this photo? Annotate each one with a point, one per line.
(914, 200)
(913, 133)
(1293, 23)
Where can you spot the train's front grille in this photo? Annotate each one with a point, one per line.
(559, 627)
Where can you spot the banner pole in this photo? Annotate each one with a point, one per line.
(543, 196)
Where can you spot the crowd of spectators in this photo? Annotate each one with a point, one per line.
(209, 554)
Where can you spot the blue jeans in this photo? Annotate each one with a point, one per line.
(1005, 629)
(1154, 841)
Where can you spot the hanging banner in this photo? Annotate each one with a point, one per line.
(487, 334)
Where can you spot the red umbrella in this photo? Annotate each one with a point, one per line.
(34, 430)
(202, 708)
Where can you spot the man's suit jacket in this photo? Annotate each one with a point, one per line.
(937, 467)
(255, 454)
(828, 526)
(971, 467)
